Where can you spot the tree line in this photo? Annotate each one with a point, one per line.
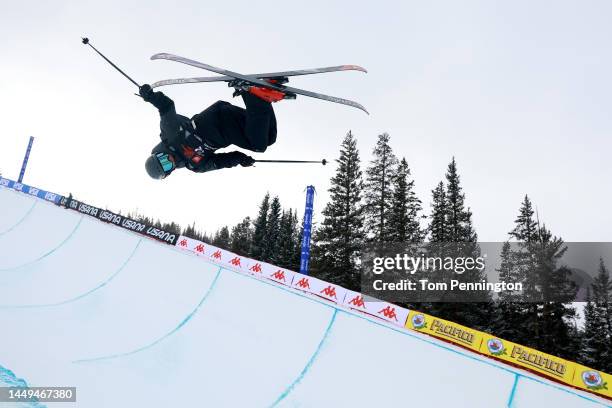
(378, 205)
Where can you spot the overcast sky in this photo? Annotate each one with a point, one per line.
(519, 92)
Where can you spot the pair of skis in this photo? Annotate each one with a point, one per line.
(260, 79)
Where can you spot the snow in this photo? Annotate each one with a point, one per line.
(132, 322)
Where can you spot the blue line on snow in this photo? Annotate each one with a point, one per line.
(89, 292)
(48, 253)
(513, 391)
(310, 362)
(6, 231)
(9, 379)
(165, 336)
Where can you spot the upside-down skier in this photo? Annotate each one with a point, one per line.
(192, 143)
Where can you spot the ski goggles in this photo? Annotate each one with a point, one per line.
(165, 162)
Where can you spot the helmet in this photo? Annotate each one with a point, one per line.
(159, 165)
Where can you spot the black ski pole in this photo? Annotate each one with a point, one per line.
(323, 162)
(86, 42)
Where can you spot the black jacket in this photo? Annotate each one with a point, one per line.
(191, 148)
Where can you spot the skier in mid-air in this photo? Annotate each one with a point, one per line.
(192, 143)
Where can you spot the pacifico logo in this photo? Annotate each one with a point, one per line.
(449, 330)
(496, 347)
(418, 321)
(593, 381)
(538, 360)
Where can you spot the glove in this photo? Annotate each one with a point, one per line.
(146, 92)
(246, 161)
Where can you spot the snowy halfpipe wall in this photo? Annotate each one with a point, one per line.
(130, 321)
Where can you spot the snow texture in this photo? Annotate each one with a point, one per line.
(132, 322)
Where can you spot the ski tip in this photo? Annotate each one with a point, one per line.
(160, 55)
(355, 68)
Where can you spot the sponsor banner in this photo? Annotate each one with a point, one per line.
(444, 329)
(6, 182)
(320, 288)
(529, 358)
(279, 275)
(190, 244)
(120, 221)
(592, 380)
(386, 311)
(33, 191)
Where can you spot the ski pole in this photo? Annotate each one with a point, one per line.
(86, 42)
(323, 162)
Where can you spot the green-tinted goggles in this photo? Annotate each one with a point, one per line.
(165, 162)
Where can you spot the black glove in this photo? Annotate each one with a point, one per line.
(146, 92)
(246, 161)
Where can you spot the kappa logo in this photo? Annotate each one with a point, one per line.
(256, 268)
(388, 312)
(303, 283)
(236, 261)
(357, 301)
(329, 291)
(216, 254)
(279, 275)
(199, 248)
(183, 243)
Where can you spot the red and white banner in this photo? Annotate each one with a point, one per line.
(384, 310)
(320, 288)
(334, 293)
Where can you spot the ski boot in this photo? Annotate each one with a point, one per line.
(267, 94)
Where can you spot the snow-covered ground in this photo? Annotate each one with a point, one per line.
(131, 322)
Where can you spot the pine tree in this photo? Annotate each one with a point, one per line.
(525, 227)
(261, 225)
(438, 226)
(597, 337)
(459, 222)
(404, 225)
(549, 293)
(222, 238)
(453, 236)
(271, 241)
(378, 192)
(340, 236)
(287, 238)
(242, 237)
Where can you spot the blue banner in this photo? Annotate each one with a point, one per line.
(36, 192)
(310, 190)
(25, 160)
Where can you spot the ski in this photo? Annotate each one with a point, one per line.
(257, 81)
(281, 74)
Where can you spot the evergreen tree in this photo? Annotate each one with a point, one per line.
(340, 236)
(438, 226)
(378, 192)
(597, 335)
(222, 238)
(242, 237)
(287, 238)
(453, 236)
(509, 317)
(404, 225)
(271, 238)
(459, 222)
(525, 227)
(261, 225)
